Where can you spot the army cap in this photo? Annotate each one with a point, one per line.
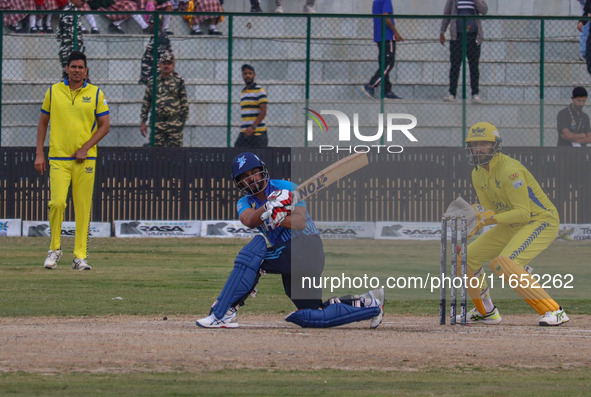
(166, 57)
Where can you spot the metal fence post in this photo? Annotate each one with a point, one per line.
(464, 65)
(542, 33)
(307, 88)
(1, 68)
(229, 105)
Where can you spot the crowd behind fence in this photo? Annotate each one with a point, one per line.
(528, 68)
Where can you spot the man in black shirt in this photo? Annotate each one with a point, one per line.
(572, 123)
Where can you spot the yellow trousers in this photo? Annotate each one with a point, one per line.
(62, 173)
(519, 243)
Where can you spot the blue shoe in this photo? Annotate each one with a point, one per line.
(391, 95)
(368, 90)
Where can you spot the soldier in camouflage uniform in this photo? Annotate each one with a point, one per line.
(172, 108)
(148, 58)
(65, 33)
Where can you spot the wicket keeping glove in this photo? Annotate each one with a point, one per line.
(484, 217)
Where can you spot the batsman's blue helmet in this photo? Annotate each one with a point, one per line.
(245, 162)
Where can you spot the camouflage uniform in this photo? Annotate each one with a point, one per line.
(65, 35)
(148, 58)
(172, 110)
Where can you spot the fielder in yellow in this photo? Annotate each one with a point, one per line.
(526, 224)
(78, 116)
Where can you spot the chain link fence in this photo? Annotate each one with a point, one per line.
(527, 70)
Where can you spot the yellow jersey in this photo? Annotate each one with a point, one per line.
(72, 118)
(510, 190)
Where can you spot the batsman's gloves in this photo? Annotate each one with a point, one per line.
(277, 217)
(278, 199)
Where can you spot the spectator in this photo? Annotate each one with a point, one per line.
(160, 5)
(253, 104)
(383, 7)
(90, 19)
(13, 21)
(255, 6)
(581, 27)
(572, 123)
(308, 7)
(65, 34)
(148, 58)
(172, 108)
(48, 5)
(78, 118)
(474, 38)
(206, 6)
(118, 19)
(584, 34)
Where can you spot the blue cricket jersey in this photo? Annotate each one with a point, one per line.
(280, 234)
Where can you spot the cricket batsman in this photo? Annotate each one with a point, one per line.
(296, 251)
(526, 224)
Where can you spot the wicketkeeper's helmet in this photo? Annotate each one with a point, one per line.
(245, 162)
(483, 132)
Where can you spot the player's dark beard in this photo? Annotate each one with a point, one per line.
(578, 108)
(254, 187)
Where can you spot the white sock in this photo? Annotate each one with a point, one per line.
(488, 304)
(196, 28)
(213, 27)
(48, 21)
(91, 21)
(32, 20)
(166, 22)
(140, 21)
(118, 23)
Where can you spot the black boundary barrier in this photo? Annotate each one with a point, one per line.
(196, 183)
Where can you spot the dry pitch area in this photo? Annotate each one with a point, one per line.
(137, 344)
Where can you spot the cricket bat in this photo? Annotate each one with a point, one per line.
(328, 176)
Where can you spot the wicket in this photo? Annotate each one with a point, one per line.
(453, 228)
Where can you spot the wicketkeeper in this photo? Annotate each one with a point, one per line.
(296, 251)
(526, 224)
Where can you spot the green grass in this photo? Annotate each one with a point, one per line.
(456, 382)
(184, 276)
